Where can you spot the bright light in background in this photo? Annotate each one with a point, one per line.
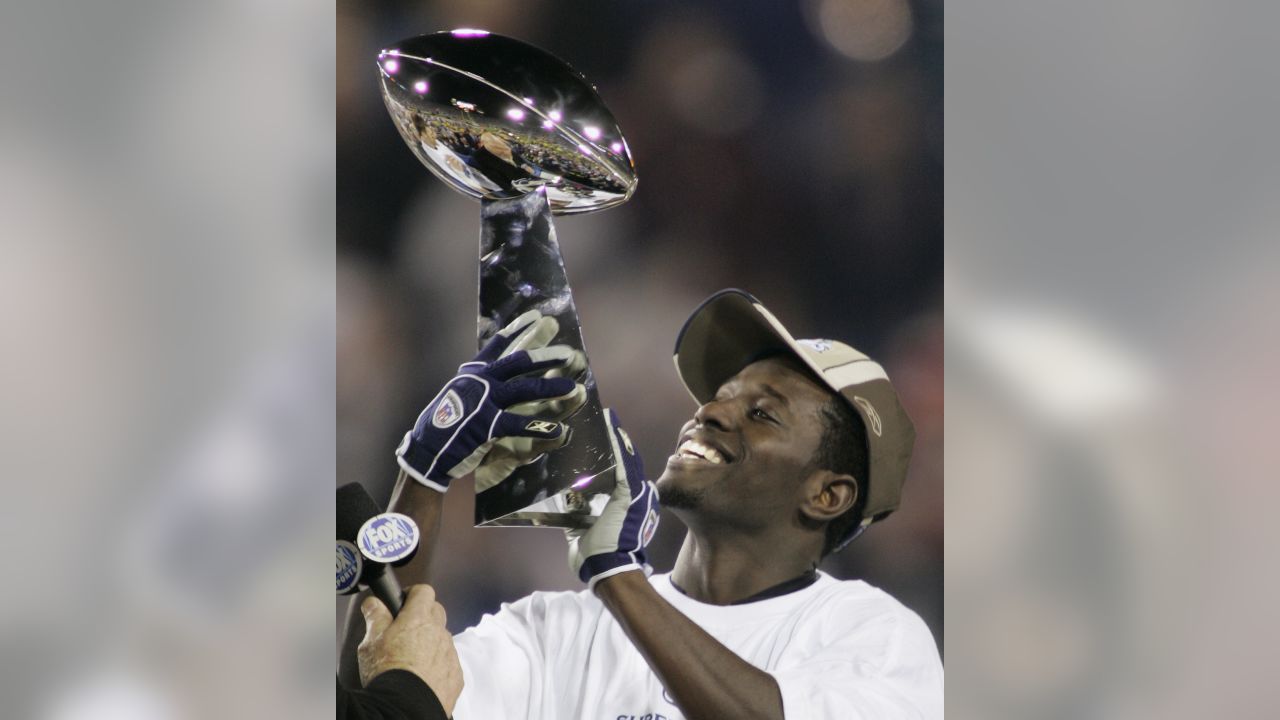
(592, 132)
(469, 32)
(515, 114)
(866, 30)
(528, 101)
(392, 66)
(555, 115)
(585, 150)
(616, 147)
(717, 89)
(420, 87)
(547, 124)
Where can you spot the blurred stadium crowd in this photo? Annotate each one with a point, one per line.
(790, 149)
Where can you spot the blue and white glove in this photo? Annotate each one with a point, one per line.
(509, 453)
(616, 542)
(470, 414)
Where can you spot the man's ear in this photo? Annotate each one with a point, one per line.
(830, 495)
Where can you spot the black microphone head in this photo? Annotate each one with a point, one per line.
(355, 507)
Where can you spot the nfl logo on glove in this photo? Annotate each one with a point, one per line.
(448, 412)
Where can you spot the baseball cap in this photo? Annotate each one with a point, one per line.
(731, 329)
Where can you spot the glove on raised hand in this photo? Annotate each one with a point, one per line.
(462, 423)
(616, 542)
(509, 453)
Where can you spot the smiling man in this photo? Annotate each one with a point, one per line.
(796, 447)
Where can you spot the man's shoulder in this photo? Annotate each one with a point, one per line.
(833, 588)
(859, 603)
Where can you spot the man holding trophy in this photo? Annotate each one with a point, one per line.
(796, 447)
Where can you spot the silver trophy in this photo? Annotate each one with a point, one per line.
(516, 127)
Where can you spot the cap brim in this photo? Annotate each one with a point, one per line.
(727, 332)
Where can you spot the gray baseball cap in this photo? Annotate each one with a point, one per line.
(732, 329)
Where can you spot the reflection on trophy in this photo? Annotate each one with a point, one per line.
(516, 127)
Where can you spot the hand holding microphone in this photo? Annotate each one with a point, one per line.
(416, 640)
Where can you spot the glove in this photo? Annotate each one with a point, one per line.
(509, 453)
(616, 542)
(462, 423)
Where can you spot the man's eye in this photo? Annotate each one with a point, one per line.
(757, 412)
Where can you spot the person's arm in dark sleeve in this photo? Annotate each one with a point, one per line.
(393, 695)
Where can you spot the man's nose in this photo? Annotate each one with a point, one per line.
(715, 413)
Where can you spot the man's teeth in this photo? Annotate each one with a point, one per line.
(693, 448)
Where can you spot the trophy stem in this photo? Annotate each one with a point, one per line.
(521, 269)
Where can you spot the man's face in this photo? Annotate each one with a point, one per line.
(743, 456)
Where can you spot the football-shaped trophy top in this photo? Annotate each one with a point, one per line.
(495, 117)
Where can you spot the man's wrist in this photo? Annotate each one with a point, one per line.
(411, 494)
(602, 565)
(620, 580)
(418, 477)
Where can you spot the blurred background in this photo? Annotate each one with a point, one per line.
(166, 389)
(790, 149)
(1111, 223)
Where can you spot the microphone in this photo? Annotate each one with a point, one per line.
(381, 539)
(349, 568)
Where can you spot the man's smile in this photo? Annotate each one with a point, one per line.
(695, 451)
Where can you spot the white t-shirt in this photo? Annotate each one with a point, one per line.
(838, 649)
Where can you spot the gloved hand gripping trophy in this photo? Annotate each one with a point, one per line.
(502, 410)
(616, 542)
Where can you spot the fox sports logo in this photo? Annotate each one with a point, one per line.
(388, 538)
(348, 567)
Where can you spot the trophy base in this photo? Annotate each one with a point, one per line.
(570, 509)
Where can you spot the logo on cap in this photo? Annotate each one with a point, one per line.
(448, 411)
(818, 345)
(873, 417)
(388, 538)
(348, 567)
